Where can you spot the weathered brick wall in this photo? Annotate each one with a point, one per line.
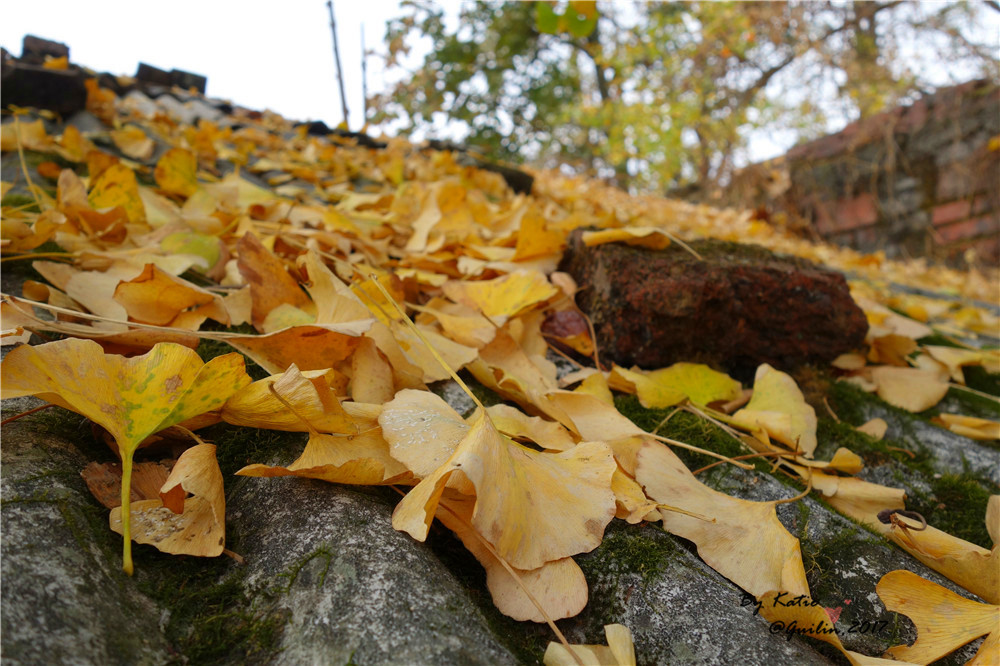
(921, 180)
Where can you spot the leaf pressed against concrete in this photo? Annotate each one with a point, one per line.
(533, 507)
(944, 620)
(131, 398)
(176, 523)
(778, 408)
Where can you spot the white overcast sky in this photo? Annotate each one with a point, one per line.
(274, 54)
(265, 54)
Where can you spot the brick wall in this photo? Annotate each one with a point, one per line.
(920, 180)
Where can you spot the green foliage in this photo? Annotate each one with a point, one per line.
(657, 94)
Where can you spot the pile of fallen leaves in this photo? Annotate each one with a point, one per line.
(355, 277)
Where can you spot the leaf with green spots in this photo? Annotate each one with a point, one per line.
(131, 398)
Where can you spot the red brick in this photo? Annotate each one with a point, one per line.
(860, 211)
(970, 229)
(951, 212)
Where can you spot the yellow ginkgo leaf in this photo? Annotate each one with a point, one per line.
(855, 498)
(956, 359)
(130, 397)
(176, 172)
(533, 507)
(30, 136)
(311, 395)
(883, 321)
(631, 503)
(778, 407)
(911, 389)
(270, 283)
(971, 566)
(156, 297)
(559, 586)
(592, 418)
(944, 620)
(423, 431)
(503, 297)
(371, 374)
(207, 248)
(668, 386)
(970, 426)
(742, 540)
(133, 142)
(891, 349)
(504, 367)
(357, 459)
(516, 424)
(534, 239)
(459, 322)
(116, 186)
(874, 428)
(453, 353)
(620, 651)
(179, 524)
(648, 237)
(596, 384)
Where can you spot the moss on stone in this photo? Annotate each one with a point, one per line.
(976, 377)
(690, 429)
(213, 617)
(631, 549)
(956, 505)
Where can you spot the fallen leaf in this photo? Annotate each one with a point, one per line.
(503, 297)
(176, 523)
(358, 457)
(891, 350)
(176, 172)
(533, 507)
(270, 283)
(311, 394)
(875, 428)
(944, 620)
(156, 297)
(371, 374)
(971, 566)
(104, 480)
(559, 586)
(455, 355)
(742, 540)
(131, 398)
(908, 388)
(619, 651)
(133, 142)
(778, 407)
(100, 101)
(516, 424)
(955, 359)
(855, 498)
(970, 426)
(669, 386)
(648, 237)
(30, 136)
(116, 186)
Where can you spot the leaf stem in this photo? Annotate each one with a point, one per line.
(126, 513)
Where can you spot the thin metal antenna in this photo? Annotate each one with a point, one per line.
(336, 58)
(364, 74)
